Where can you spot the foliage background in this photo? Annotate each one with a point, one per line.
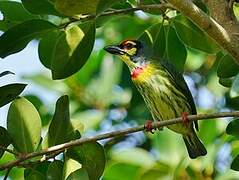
(102, 97)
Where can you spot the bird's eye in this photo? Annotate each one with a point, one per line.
(129, 46)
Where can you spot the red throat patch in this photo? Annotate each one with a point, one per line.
(136, 72)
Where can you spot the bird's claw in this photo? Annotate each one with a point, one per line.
(149, 127)
(185, 118)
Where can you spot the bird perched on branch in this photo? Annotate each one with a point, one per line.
(164, 91)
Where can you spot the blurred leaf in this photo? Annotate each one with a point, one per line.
(91, 156)
(233, 128)
(40, 7)
(17, 37)
(24, 125)
(134, 156)
(121, 171)
(80, 174)
(75, 46)
(234, 91)
(76, 7)
(105, 4)
(55, 170)
(176, 50)
(60, 123)
(13, 13)
(227, 67)
(235, 163)
(37, 172)
(226, 82)
(193, 37)
(10, 92)
(4, 73)
(5, 139)
(208, 132)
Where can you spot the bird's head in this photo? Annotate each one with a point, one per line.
(132, 52)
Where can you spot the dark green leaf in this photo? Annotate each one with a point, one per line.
(16, 38)
(10, 92)
(5, 139)
(76, 7)
(24, 125)
(235, 163)
(227, 67)
(55, 170)
(75, 46)
(46, 47)
(233, 128)
(80, 174)
(105, 4)
(37, 172)
(4, 73)
(60, 123)
(40, 7)
(176, 50)
(193, 37)
(34, 175)
(13, 13)
(91, 156)
(226, 82)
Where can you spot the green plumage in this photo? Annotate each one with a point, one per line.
(163, 88)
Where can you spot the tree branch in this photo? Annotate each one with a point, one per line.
(210, 26)
(62, 147)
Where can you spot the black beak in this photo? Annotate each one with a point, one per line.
(114, 49)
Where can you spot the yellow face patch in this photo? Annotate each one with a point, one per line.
(131, 51)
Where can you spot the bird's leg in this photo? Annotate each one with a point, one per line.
(185, 118)
(149, 127)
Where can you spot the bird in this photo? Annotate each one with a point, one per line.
(163, 89)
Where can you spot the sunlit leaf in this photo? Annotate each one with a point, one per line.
(233, 128)
(78, 174)
(70, 165)
(5, 139)
(75, 46)
(91, 156)
(24, 125)
(227, 67)
(40, 7)
(17, 37)
(55, 170)
(10, 92)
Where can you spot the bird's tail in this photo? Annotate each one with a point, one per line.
(194, 145)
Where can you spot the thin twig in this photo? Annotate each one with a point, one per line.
(64, 146)
(7, 173)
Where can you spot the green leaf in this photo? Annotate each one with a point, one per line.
(34, 175)
(227, 67)
(55, 170)
(24, 125)
(60, 123)
(4, 73)
(233, 128)
(176, 50)
(235, 163)
(5, 139)
(37, 172)
(46, 47)
(91, 156)
(234, 91)
(13, 13)
(16, 38)
(226, 82)
(10, 92)
(76, 7)
(40, 7)
(78, 174)
(75, 46)
(193, 37)
(105, 4)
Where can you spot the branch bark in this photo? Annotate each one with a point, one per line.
(214, 29)
(62, 147)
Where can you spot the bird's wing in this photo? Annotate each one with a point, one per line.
(181, 84)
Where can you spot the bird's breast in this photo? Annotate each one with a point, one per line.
(142, 73)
